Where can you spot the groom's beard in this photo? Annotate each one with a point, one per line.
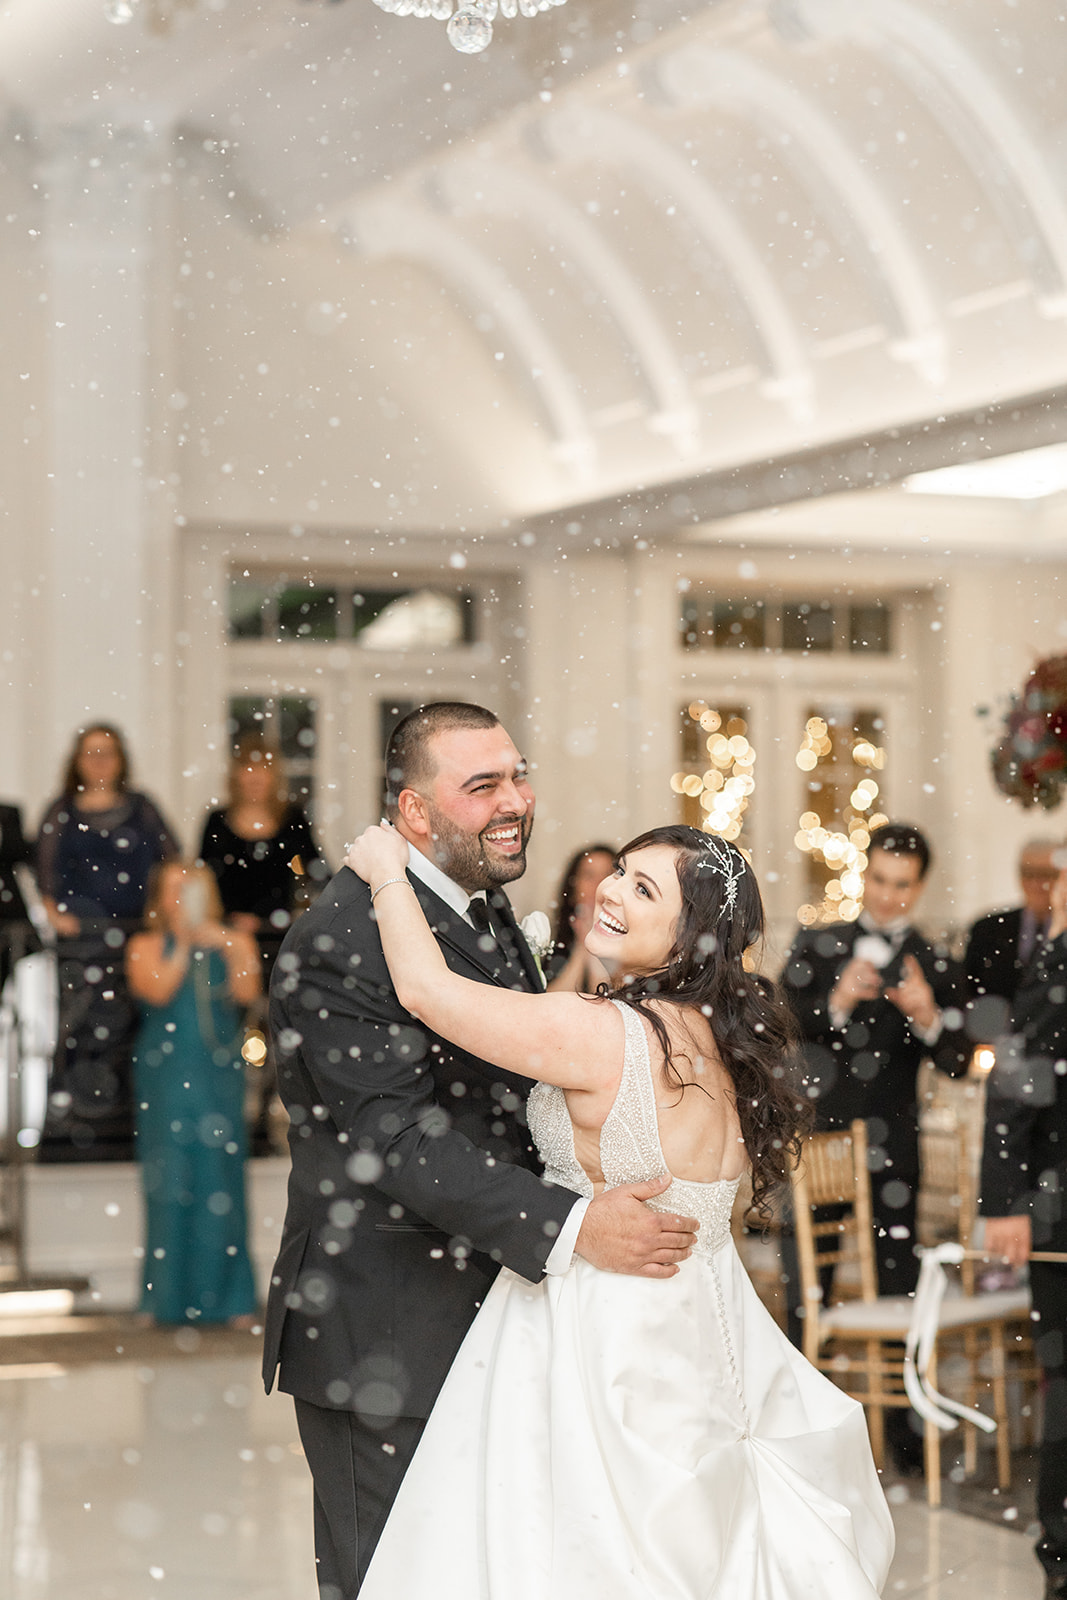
(471, 861)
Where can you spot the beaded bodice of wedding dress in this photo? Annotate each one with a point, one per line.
(630, 1150)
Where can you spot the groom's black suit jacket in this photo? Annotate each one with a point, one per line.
(413, 1173)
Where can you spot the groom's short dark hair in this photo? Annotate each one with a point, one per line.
(408, 763)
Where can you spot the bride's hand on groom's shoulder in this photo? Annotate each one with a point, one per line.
(379, 853)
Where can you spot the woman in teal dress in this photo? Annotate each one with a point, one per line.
(192, 979)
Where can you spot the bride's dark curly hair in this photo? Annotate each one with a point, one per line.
(722, 917)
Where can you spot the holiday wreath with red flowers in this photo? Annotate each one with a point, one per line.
(1030, 762)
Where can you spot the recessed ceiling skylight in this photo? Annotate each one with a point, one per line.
(1029, 475)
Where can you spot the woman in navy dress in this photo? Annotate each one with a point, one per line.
(98, 843)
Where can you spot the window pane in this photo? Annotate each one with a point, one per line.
(739, 624)
(423, 620)
(296, 734)
(368, 605)
(693, 623)
(249, 607)
(715, 780)
(842, 759)
(287, 724)
(468, 611)
(247, 714)
(802, 626)
(307, 613)
(808, 625)
(868, 629)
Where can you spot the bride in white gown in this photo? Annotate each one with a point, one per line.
(602, 1437)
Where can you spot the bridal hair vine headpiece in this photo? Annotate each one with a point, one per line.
(728, 863)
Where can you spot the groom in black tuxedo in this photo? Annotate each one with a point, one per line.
(413, 1174)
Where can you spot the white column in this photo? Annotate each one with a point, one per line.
(105, 553)
(578, 725)
(22, 421)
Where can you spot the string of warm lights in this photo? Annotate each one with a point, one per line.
(843, 851)
(723, 790)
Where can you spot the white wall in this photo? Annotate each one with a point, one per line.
(320, 388)
(390, 387)
(24, 424)
(86, 1220)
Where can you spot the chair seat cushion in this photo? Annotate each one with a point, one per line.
(890, 1315)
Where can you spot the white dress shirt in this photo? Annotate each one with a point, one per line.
(429, 873)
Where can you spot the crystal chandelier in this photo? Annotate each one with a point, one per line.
(470, 27)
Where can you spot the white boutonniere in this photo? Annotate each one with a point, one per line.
(537, 931)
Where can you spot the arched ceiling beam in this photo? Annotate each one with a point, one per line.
(505, 191)
(700, 76)
(608, 139)
(389, 228)
(974, 112)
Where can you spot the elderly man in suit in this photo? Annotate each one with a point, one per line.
(1000, 945)
(1024, 1199)
(413, 1173)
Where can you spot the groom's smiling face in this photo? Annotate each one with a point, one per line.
(478, 808)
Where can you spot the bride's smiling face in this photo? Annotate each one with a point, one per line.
(637, 911)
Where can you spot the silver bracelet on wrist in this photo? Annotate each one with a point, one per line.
(386, 884)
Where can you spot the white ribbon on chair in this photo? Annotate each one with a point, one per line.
(922, 1336)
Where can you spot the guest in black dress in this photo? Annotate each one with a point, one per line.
(261, 850)
(268, 867)
(97, 845)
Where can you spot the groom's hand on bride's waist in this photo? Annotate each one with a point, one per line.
(621, 1234)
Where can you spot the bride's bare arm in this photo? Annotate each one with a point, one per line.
(557, 1038)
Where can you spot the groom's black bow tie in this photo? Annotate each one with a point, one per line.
(478, 911)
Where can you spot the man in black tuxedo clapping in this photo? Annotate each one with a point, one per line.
(413, 1174)
(873, 998)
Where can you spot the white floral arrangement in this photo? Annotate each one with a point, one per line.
(537, 931)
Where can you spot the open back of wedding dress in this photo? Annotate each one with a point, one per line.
(619, 1438)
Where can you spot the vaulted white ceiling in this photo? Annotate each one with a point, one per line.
(683, 237)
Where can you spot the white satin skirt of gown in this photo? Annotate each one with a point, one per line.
(618, 1438)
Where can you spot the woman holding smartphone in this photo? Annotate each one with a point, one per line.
(193, 979)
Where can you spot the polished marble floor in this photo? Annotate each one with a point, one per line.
(180, 1480)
